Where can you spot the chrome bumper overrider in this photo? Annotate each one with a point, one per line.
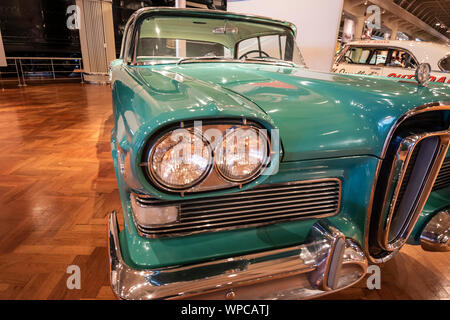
(436, 235)
(326, 263)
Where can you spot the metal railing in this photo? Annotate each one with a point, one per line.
(30, 69)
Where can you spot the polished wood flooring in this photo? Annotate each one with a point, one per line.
(57, 186)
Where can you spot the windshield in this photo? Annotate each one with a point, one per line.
(444, 64)
(174, 38)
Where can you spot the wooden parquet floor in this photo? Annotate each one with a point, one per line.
(57, 186)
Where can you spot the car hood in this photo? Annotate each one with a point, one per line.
(319, 115)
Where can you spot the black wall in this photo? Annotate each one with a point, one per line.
(39, 27)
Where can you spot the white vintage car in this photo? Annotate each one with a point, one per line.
(394, 58)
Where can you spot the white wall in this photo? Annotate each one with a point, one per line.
(317, 22)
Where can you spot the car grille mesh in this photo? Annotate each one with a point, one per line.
(407, 176)
(443, 179)
(261, 205)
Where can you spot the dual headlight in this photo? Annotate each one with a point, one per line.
(208, 157)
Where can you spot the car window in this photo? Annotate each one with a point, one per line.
(271, 46)
(379, 57)
(172, 47)
(357, 55)
(401, 58)
(444, 64)
(364, 55)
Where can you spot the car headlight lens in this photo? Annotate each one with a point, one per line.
(242, 153)
(180, 160)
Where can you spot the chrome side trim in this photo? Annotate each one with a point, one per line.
(241, 273)
(396, 178)
(436, 235)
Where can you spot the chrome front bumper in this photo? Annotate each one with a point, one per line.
(326, 263)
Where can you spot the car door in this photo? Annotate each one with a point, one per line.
(399, 63)
(402, 64)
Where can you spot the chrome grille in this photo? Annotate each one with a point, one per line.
(259, 206)
(422, 159)
(443, 179)
(413, 173)
(407, 176)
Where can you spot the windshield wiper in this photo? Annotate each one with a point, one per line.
(272, 61)
(203, 59)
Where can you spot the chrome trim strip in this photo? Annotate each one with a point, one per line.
(397, 175)
(255, 192)
(252, 221)
(436, 234)
(429, 107)
(193, 221)
(245, 272)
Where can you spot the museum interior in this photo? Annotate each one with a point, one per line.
(214, 149)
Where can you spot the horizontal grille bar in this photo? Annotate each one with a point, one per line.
(261, 205)
(443, 179)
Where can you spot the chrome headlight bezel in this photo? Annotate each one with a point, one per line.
(167, 186)
(212, 179)
(255, 172)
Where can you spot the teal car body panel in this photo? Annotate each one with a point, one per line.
(330, 125)
(328, 121)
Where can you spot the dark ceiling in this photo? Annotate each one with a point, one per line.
(436, 13)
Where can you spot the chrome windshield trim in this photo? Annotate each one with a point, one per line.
(246, 16)
(217, 60)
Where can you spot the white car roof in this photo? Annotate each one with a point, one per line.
(430, 52)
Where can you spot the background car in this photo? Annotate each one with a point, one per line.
(394, 58)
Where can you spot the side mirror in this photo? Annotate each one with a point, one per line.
(423, 73)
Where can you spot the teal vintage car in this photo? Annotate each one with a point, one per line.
(242, 174)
